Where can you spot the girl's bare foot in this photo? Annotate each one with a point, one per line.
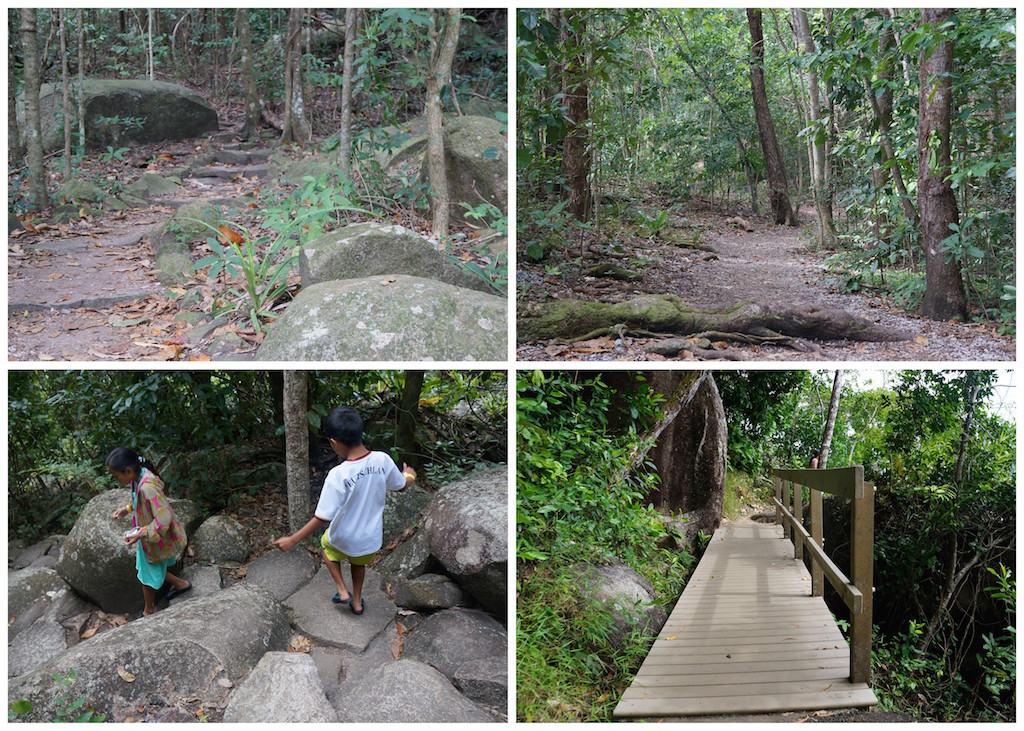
(147, 612)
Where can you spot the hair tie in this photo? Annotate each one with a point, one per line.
(141, 460)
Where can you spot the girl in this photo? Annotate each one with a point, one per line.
(161, 537)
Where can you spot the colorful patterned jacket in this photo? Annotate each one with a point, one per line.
(164, 537)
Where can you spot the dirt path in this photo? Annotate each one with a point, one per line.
(771, 265)
(88, 291)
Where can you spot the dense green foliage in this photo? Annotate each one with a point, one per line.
(671, 122)
(577, 503)
(216, 434)
(944, 611)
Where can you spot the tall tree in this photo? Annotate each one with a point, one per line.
(295, 128)
(408, 411)
(65, 81)
(444, 38)
(778, 187)
(296, 437)
(576, 90)
(79, 22)
(830, 421)
(249, 90)
(14, 141)
(33, 121)
(944, 297)
(353, 16)
(822, 202)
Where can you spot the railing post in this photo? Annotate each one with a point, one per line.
(778, 496)
(798, 513)
(861, 570)
(787, 491)
(817, 535)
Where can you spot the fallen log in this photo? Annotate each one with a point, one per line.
(746, 322)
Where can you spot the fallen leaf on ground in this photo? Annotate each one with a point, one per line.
(921, 340)
(125, 675)
(89, 632)
(597, 345)
(396, 647)
(224, 683)
(300, 643)
(388, 280)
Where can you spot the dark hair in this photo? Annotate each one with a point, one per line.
(345, 426)
(816, 453)
(124, 458)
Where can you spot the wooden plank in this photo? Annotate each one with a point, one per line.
(746, 636)
(842, 481)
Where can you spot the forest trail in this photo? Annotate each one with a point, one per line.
(721, 265)
(88, 290)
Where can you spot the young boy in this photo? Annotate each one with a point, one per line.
(352, 502)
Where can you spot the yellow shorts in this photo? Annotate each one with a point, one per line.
(333, 554)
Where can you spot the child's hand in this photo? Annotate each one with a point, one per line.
(120, 513)
(408, 472)
(285, 544)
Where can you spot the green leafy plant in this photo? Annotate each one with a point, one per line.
(654, 225)
(69, 708)
(111, 154)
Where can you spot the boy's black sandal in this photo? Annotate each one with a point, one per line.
(353, 608)
(338, 600)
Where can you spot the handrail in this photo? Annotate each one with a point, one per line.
(856, 591)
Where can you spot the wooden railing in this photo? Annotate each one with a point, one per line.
(855, 590)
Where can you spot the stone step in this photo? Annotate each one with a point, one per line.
(225, 172)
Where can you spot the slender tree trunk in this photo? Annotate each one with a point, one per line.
(826, 227)
(17, 148)
(444, 39)
(150, 68)
(250, 92)
(553, 135)
(965, 435)
(353, 16)
(81, 79)
(65, 81)
(408, 412)
(944, 288)
(296, 435)
(38, 199)
(294, 127)
(830, 421)
(575, 144)
(778, 187)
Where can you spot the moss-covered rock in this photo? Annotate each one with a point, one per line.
(171, 241)
(388, 319)
(150, 185)
(79, 192)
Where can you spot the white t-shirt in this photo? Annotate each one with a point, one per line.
(353, 501)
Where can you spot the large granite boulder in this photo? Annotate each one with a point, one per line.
(402, 508)
(160, 111)
(49, 546)
(467, 530)
(195, 650)
(39, 633)
(625, 595)
(30, 586)
(284, 687)
(469, 648)
(395, 318)
(334, 625)
(429, 591)
(377, 249)
(476, 154)
(282, 573)
(221, 538)
(409, 559)
(405, 692)
(94, 559)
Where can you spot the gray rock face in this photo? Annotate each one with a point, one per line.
(166, 112)
(170, 241)
(449, 639)
(375, 249)
(467, 531)
(31, 586)
(409, 559)
(484, 680)
(205, 580)
(46, 547)
(626, 595)
(406, 692)
(221, 538)
(282, 573)
(94, 559)
(38, 635)
(476, 154)
(183, 651)
(430, 591)
(150, 185)
(402, 508)
(409, 318)
(284, 687)
(334, 624)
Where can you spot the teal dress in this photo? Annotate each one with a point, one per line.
(150, 574)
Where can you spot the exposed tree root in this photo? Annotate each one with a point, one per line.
(747, 322)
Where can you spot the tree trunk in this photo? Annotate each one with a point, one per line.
(830, 421)
(150, 68)
(250, 92)
(294, 127)
(444, 38)
(33, 122)
(944, 288)
(296, 436)
(576, 143)
(408, 412)
(81, 79)
(826, 227)
(65, 82)
(14, 142)
(965, 434)
(352, 18)
(778, 188)
(553, 134)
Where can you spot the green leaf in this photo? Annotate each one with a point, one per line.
(21, 707)
(491, 153)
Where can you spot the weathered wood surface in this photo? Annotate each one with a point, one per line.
(746, 637)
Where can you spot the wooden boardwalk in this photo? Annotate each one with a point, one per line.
(746, 637)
